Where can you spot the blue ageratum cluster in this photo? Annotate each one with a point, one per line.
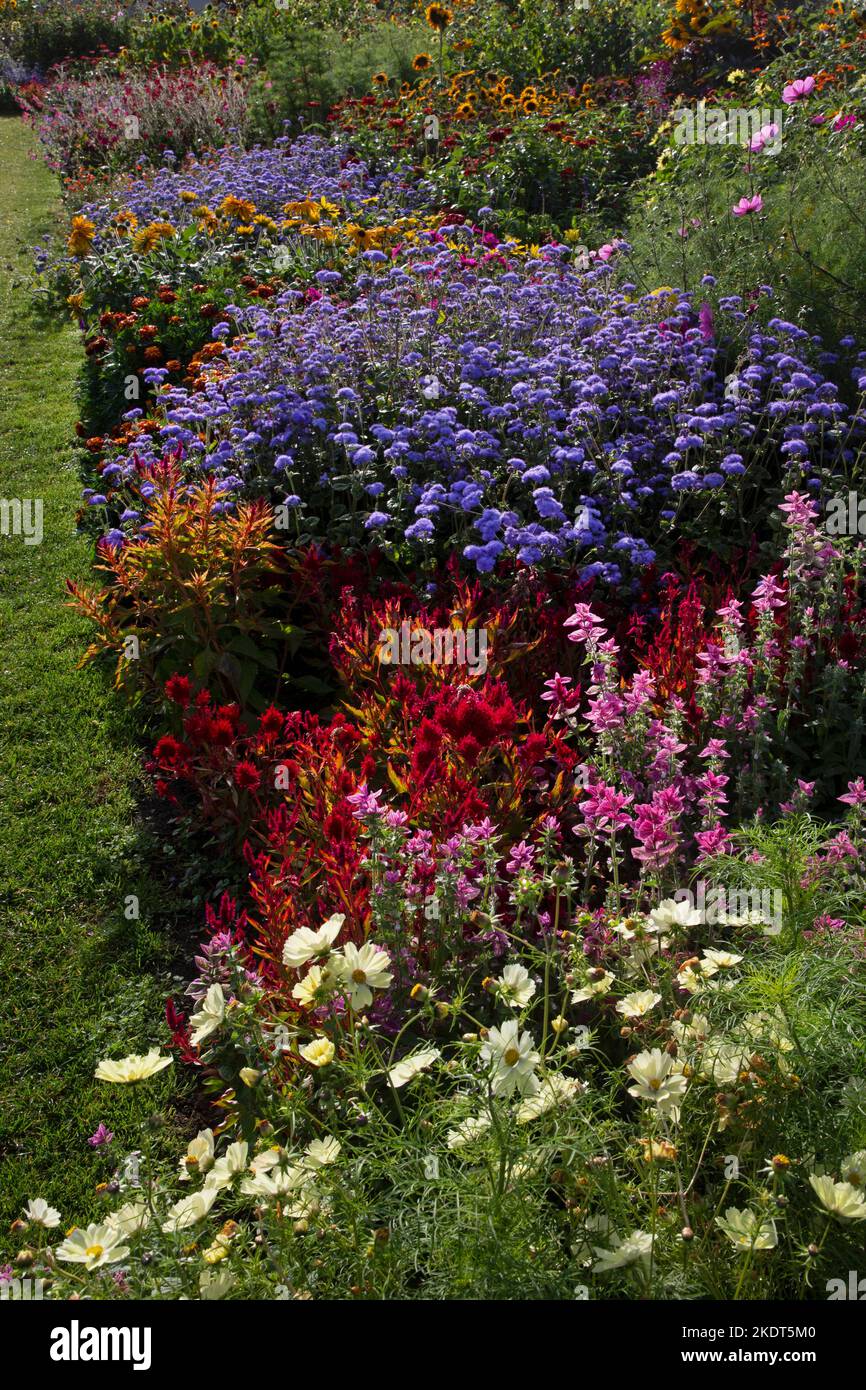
(269, 177)
(447, 393)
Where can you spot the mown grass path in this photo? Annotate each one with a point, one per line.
(77, 979)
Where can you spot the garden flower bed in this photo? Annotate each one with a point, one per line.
(495, 617)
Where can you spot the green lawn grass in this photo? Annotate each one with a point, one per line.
(77, 979)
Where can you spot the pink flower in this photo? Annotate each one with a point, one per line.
(768, 594)
(799, 509)
(856, 794)
(587, 627)
(797, 90)
(747, 205)
(844, 122)
(606, 713)
(101, 1135)
(366, 803)
(763, 137)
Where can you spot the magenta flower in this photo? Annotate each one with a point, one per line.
(101, 1136)
(705, 322)
(856, 794)
(522, 857)
(747, 205)
(603, 809)
(714, 841)
(798, 90)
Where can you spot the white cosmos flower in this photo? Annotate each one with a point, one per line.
(189, 1210)
(693, 983)
(233, 1161)
(594, 987)
(467, 1131)
(673, 916)
(38, 1213)
(131, 1218)
(840, 1199)
(657, 1078)
(719, 960)
(403, 1072)
(199, 1155)
(209, 1016)
(639, 1004)
(319, 981)
(269, 1158)
(747, 1229)
(322, 1152)
(305, 944)
(277, 1182)
(635, 1247)
(134, 1068)
(93, 1247)
(516, 988)
(769, 1029)
(722, 1062)
(554, 1090)
(216, 1283)
(696, 1031)
(361, 971)
(854, 1169)
(513, 1059)
(319, 1052)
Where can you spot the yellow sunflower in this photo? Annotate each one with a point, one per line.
(438, 17)
(421, 62)
(149, 237)
(239, 208)
(81, 236)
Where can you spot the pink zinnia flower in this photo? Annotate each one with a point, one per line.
(797, 90)
(747, 205)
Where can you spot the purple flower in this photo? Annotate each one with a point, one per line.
(101, 1136)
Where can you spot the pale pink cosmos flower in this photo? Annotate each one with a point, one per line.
(747, 205)
(767, 133)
